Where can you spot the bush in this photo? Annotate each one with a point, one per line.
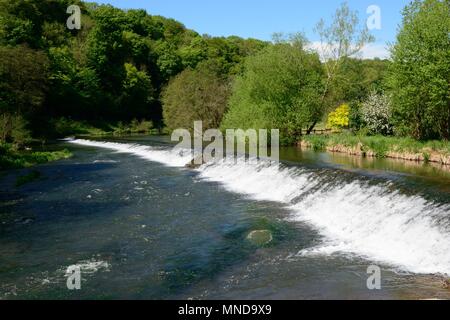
(356, 123)
(64, 127)
(376, 113)
(13, 128)
(142, 126)
(339, 119)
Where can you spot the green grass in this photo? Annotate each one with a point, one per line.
(379, 145)
(15, 159)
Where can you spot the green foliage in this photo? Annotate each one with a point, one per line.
(420, 72)
(27, 21)
(357, 78)
(20, 135)
(10, 158)
(196, 94)
(378, 145)
(113, 69)
(342, 39)
(280, 88)
(137, 93)
(59, 82)
(64, 127)
(23, 79)
(317, 142)
(356, 122)
(142, 126)
(339, 119)
(13, 128)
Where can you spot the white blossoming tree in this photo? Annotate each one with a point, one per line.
(376, 112)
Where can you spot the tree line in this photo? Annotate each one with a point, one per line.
(124, 65)
(114, 68)
(289, 86)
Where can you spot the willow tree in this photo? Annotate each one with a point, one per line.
(343, 38)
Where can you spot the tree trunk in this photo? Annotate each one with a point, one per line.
(311, 128)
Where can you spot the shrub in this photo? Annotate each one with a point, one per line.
(355, 121)
(376, 112)
(142, 126)
(339, 119)
(13, 128)
(64, 127)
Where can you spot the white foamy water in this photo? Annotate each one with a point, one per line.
(91, 266)
(370, 221)
(173, 158)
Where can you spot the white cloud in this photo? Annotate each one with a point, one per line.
(370, 51)
(374, 50)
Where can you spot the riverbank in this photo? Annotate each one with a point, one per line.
(64, 127)
(11, 158)
(381, 147)
(27, 155)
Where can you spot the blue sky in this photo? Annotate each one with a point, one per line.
(261, 18)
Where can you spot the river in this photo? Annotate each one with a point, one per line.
(139, 225)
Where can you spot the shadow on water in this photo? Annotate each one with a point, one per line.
(56, 178)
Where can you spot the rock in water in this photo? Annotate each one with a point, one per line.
(193, 164)
(260, 237)
(446, 284)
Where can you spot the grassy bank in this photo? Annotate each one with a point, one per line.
(11, 158)
(381, 147)
(65, 127)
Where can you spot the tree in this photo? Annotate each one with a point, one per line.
(24, 22)
(376, 112)
(23, 79)
(280, 88)
(137, 93)
(196, 94)
(23, 84)
(420, 72)
(113, 68)
(357, 79)
(339, 41)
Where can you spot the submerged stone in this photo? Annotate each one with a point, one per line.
(260, 237)
(195, 163)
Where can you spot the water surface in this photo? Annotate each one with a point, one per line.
(141, 226)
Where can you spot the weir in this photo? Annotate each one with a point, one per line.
(373, 221)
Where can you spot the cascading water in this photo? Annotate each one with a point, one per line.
(374, 221)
